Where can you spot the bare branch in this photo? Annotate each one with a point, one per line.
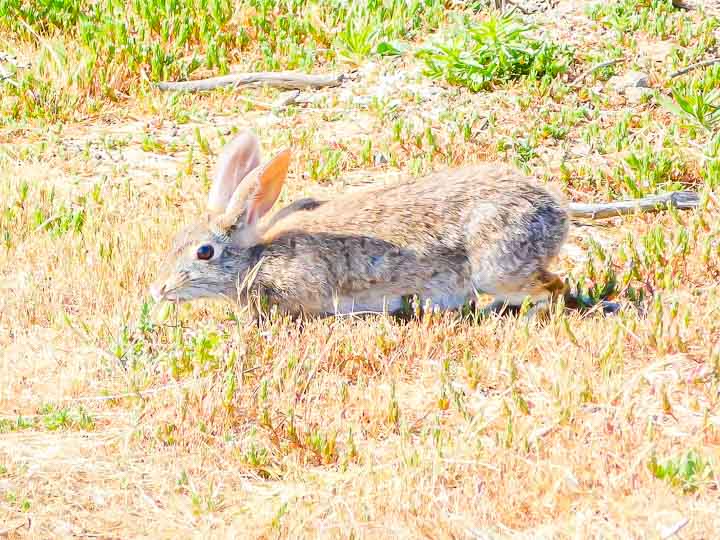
(594, 68)
(691, 67)
(682, 200)
(280, 79)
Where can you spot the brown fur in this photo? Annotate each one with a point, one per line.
(445, 237)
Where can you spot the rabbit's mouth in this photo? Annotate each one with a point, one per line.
(181, 288)
(159, 292)
(173, 289)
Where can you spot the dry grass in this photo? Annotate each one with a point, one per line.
(208, 426)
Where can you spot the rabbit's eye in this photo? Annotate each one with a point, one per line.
(205, 252)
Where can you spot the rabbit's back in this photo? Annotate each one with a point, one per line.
(459, 209)
(444, 236)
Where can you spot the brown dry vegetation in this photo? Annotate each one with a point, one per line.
(117, 423)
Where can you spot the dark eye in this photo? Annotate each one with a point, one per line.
(205, 252)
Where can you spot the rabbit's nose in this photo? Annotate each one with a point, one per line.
(157, 291)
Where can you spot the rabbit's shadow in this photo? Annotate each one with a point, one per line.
(475, 313)
(471, 312)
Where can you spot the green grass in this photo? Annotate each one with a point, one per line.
(696, 100)
(196, 419)
(657, 17)
(51, 418)
(93, 51)
(685, 472)
(495, 51)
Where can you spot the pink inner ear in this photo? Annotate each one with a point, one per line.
(238, 158)
(255, 211)
(269, 185)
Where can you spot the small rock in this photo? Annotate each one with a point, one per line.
(528, 7)
(362, 101)
(636, 94)
(656, 51)
(631, 79)
(579, 150)
(610, 308)
(379, 159)
(285, 99)
(306, 98)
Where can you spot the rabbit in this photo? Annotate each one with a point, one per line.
(443, 238)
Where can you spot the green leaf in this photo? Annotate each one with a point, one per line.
(391, 48)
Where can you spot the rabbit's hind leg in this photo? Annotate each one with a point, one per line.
(543, 288)
(548, 287)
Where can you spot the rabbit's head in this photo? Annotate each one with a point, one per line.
(208, 258)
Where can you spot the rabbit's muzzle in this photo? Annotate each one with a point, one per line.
(168, 288)
(157, 291)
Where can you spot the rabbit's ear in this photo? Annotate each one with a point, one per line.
(256, 195)
(270, 183)
(238, 158)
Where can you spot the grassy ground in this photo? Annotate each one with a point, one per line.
(117, 423)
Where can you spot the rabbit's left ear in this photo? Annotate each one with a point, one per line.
(254, 197)
(239, 157)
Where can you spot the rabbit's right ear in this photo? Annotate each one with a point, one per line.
(239, 157)
(257, 193)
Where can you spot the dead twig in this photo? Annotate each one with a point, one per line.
(682, 200)
(671, 531)
(697, 65)
(280, 79)
(594, 68)
(680, 4)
